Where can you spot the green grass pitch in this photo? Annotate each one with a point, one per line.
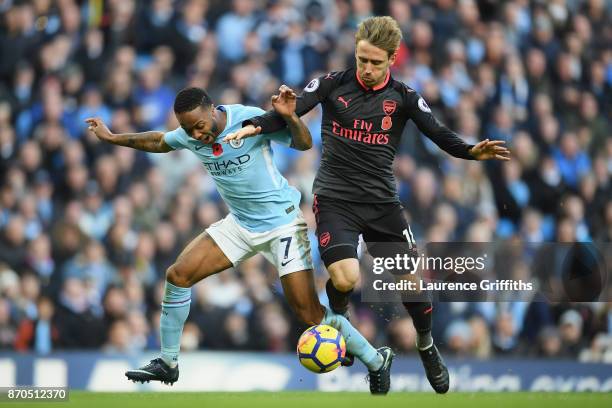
(326, 400)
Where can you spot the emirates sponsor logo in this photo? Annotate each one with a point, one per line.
(360, 135)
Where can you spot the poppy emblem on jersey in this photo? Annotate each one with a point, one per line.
(236, 144)
(387, 123)
(324, 239)
(217, 149)
(389, 106)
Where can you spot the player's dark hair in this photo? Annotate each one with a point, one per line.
(190, 98)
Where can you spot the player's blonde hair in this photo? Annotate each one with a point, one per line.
(382, 32)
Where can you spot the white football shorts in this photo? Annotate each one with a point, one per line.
(287, 247)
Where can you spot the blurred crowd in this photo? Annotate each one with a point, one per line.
(88, 229)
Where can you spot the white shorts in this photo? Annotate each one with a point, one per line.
(287, 247)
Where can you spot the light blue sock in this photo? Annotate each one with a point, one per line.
(356, 344)
(175, 309)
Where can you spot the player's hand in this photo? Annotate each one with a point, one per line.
(490, 149)
(284, 103)
(247, 131)
(97, 126)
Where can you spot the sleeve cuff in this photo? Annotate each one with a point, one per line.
(251, 121)
(469, 155)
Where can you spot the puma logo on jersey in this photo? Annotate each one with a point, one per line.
(345, 102)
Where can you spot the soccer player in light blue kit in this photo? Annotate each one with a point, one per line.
(264, 218)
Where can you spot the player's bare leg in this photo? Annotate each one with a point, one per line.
(302, 298)
(200, 259)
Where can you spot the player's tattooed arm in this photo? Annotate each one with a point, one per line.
(146, 141)
(300, 135)
(284, 104)
(152, 142)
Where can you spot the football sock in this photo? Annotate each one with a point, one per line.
(424, 340)
(338, 301)
(356, 344)
(174, 312)
(421, 318)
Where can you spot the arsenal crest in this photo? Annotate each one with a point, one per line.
(389, 106)
(324, 239)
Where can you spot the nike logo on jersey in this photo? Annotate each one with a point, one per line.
(345, 102)
(198, 147)
(285, 263)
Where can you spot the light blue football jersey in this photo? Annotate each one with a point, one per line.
(257, 194)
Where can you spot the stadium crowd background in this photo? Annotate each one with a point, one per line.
(88, 229)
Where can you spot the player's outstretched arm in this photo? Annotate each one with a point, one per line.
(146, 141)
(448, 140)
(284, 104)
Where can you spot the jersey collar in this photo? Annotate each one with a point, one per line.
(228, 119)
(377, 87)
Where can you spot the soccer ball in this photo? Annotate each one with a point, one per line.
(321, 349)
